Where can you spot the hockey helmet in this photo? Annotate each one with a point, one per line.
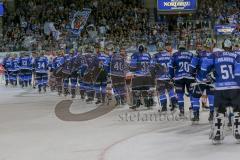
(209, 43)
(141, 48)
(227, 43)
(160, 46)
(182, 44)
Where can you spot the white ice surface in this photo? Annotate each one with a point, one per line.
(29, 130)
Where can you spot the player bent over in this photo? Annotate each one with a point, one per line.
(142, 79)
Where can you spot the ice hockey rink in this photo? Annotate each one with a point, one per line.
(30, 129)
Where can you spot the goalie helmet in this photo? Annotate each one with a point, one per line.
(227, 44)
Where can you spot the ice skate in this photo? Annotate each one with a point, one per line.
(195, 119)
(217, 130)
(236, 127)
(210, 118)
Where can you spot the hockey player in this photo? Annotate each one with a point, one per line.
(25, 65)
(102, 64)
(199, 88)
(7, 63)
(179, 71)
(67, 68)
(160, 63)
(142, 80)
(227, 70)
(118, 68)
(86, 74)
(13, 70)
(57, 70)
(76, 63)
(41, 71)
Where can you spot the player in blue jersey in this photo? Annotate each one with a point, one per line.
(118, 68)
(200, 88)
(57, 70)
(7, 62)
(41, 71)
(179, 71)
(102, 65)
(226, 66)
(66, 71)
(142, 80)
(13, 70)
(25, 65)
(75, 63)
(160, 64)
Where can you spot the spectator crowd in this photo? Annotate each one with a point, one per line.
(121, 21)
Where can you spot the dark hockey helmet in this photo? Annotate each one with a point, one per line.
(89, 49)
(141, 48)
(168, 43)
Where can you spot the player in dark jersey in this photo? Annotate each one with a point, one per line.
(86, 74)
(102, 65)
(57, 70)
(118, 67)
